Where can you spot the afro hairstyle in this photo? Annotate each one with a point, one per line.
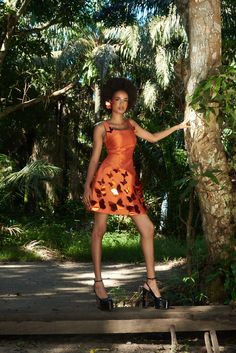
(118, 84)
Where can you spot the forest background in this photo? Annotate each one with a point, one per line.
(55, 55)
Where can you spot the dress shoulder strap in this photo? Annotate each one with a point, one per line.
(106, 125)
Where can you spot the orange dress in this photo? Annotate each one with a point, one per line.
(116, 188)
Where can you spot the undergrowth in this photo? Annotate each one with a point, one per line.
(72, 244)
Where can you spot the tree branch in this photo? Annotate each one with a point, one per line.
(38, 29)
(23, 7)
(36, 100)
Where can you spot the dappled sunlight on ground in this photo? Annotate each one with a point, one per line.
(69, 277)
(52, 284)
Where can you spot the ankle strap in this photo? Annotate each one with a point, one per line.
(97, 280)
(151, 279)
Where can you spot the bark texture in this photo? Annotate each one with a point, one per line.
(203, 139)
(97, 99)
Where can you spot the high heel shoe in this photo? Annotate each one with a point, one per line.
(105, 304)
(159, 302)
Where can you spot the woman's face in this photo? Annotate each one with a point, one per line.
(120, 102)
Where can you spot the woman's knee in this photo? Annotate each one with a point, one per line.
(99, 230)
(100, 225)
(144, 225)
(149, 230)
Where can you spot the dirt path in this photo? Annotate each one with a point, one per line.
(63, 279)
(114, 344)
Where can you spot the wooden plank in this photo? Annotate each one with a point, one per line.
(112, 326)
(70, 313)
(214, 341)
(86, 319)
(207, 342)
(96, 314)
(174, 342)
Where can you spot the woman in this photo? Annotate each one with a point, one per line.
(114, 188)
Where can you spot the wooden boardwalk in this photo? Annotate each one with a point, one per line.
(122, 320)
(66, 305)
(70, 319)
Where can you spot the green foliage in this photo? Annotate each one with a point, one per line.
(13, 253)
(9, 234)
(228, 31)
(119, 295)
(217, 95)
(127, 11)
(217, 92)
(28, 68)
(125, 247)
(27, 181)
(54, 235)
(119, 224)
(190, 181)
(73, 213)
(226, 268)
(74, 244)
(188, 289)
(62, 11)
(192, 292)
(6, 166)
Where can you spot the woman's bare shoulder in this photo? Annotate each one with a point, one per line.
(100, 128)
(99, 125)
(133, 123)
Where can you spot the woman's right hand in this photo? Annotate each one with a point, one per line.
(86, 197)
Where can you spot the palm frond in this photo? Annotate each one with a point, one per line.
(164, 28)
(127, 11)
(5, 165)
(150, 94)
(170, 42)
(164, 66)
(30, 176)
(103, 56)
(126, 40)
(58, 37)
(10, 230)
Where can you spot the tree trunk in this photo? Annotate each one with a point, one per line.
(97, 98)
(203, 138)
(10, 23)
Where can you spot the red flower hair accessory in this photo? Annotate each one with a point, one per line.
(108, 105)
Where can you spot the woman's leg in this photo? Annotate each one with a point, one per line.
(146, 230)
(99, 229)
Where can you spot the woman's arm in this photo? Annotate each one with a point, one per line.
(157, 136)
(98, 136)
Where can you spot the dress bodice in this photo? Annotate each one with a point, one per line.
(120, 145)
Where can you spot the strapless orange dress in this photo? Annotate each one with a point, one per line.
(116, 188)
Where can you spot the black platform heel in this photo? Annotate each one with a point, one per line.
(159, 302)
(105, 304)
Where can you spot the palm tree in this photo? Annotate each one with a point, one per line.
(88, 57)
